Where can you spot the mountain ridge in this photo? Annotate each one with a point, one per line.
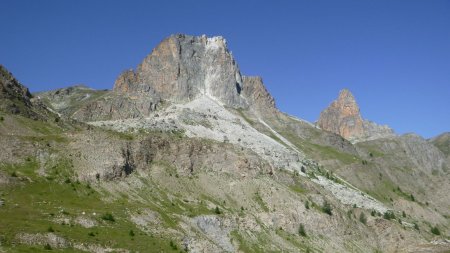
(136, 170)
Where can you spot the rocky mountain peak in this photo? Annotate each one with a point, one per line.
(14, 96)
(183, 67)
(343, 117)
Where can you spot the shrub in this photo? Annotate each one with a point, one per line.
(47, 247)
(303, 169)
(1, 118)
(301, 230)
(435, 230)
(412, 198)
(363, 218)
(416, 227)
(389, 215)
(403, 214)
(373, 212)
(91, 234)
(131, 233)
(307, 204)
(50, 229)
(108, 217)
(349, 213)
(173, 245)
(326, 208)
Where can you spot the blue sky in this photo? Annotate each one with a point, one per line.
(393, 55)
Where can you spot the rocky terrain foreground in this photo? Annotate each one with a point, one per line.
(186, 154)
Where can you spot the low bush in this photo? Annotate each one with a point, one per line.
(363, 218)
(326, 208)
(435, 230)
(301, 230)
(108, 217)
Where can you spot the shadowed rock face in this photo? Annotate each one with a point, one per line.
(343, 117)
(14, 96)
(183, 67)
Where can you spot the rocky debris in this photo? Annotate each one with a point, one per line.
(351, 196)
(217, 230)
(99, 159)
(85, 222)
(218, 124)
(51, 239)
(96, 248)
(146, 219)
(343, 117)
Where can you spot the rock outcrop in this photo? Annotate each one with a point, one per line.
(343, 117)
(14, 97)
(257, 95)
(182, 67)
(442, 142)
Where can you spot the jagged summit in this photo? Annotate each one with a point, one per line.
(14, 97)
(343, 117)
(182, 67)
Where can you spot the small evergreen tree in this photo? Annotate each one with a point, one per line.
(307, 204)
(435, 230)
(363, 218)
(301, 230)
(389, 215)
(47, 247)
(326, 208)
(217, 210)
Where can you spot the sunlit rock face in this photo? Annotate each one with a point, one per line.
(183, 67)
(343, 117)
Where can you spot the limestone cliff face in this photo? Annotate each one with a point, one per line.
(183, 67)
(257, 95)
(343, 117)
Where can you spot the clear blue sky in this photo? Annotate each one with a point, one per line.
(393, 55)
